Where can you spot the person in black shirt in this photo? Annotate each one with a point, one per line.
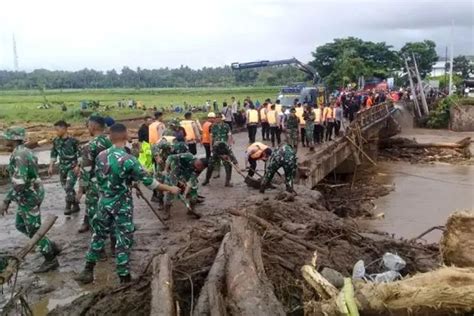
(143, 131)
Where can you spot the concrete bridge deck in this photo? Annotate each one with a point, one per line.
(360, 140)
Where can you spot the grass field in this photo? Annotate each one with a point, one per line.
(22, 106)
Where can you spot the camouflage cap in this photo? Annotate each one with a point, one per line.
(160, 147)
(15, 133)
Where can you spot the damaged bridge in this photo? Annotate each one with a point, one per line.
(359, 144)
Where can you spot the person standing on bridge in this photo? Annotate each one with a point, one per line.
(27, 191)
(66, 149)
(273, 121)
(308, 116)
(328, 120)
(299, 110)
(318, 124)
(116, 171)
(264, 122)
(291, 129)
(252, 122)
(282, 157)
(193, 134)
(338, 117)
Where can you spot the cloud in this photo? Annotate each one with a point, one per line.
(109, 34)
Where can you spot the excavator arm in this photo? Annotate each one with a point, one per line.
(267, 63)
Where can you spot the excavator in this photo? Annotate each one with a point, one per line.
(313, 95)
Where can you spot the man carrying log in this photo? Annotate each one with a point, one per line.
(282, 157)
(27, 191)
(182, 170)
(86, 171)
(115, 172)
(66, 149)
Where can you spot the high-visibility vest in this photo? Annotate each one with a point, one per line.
(299, 115)
(278, 108)
(271, 117)
(153, 135)
(206, 133)
(269, 107)
(263, 114)
(188, 127)
(328, 114)
(369, 102)
(318, 116)
(252, 116)
(258, 149)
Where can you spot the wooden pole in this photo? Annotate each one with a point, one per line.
(412, 87)
(420, 84)
(162, 301)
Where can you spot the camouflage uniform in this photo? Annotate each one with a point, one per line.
(115, 171)
(220, 132)
(282, 157)
(162, 149)
(88, 179)
(181, 171)
(27, 191)
(220, 149)
(309, 127)
(67, 150)
(292, 125)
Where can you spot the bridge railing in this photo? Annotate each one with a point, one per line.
(371, 115)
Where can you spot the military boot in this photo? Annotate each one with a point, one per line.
(75, 208)
(50, 261)
(155, 198)
(67, 209)
(125, 278)
(87, 275)
(228, 176)
(85, 227)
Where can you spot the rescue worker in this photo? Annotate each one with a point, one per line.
(278, 107)
(220, 132)
(272, 117)
(182, 170)
(308, 116)
(193, 134)
(292, 127)
(156, 129)
(27, 191)
(252, 123)
(66, 149)
(338, 117)
(319, 124)
(160, 152)
(328, 122)
(221, 151)
(87, 169)
(257, 151)
(299, 113)
(264, 122)
(116, 170)
(206, 134)
(282, 157)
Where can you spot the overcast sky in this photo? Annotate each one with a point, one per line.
(106, 34)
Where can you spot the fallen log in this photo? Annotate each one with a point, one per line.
(249, 292)
(162, 301)
(13, 263)
(445, 291)
(214, 283)
(401, 143)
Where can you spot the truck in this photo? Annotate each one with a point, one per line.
(315, 94)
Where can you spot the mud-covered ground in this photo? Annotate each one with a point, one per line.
(323, 221)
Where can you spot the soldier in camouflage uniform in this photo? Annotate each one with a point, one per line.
(292, 126)
(116, 170)
(88, 180)
(182, 170)
(309, 118)
(66, 148)
(221, 151)
(283, 157)
(160, 152)
(27, 191)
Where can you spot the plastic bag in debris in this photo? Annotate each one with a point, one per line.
(358, 272)
(386, 277)
(393, 262)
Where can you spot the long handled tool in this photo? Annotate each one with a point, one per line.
(182, 198)
(140, 195)
(248, 180)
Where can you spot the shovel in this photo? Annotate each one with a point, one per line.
(253, 183)
(185, 201)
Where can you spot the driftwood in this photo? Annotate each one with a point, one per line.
(457, 244)
(12, 266)
(445, 291)
(237, 283)
(162, 301)
(402, 143)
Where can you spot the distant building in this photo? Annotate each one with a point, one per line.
(439, 68)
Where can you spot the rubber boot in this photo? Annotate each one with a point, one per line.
(87, 275)
(228, 176)
(75, 208)
(85, 225)
(155, 198)
(125, 278)
(67, 209)
(50, 261)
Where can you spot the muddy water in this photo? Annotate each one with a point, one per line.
(424, 196)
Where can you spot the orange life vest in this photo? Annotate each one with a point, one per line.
(252, 116)
(188, 127)
(263, 114)
(206, 132)
(299, 114)
(318, 116)
(153, 135)
(278, 108)
(258, 149)
(272, 117)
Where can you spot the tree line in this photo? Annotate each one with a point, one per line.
(338, 63)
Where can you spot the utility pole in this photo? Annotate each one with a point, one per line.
(446, 68)
(15, 55)
(451, 61)
(420, 84)
(412, 87)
